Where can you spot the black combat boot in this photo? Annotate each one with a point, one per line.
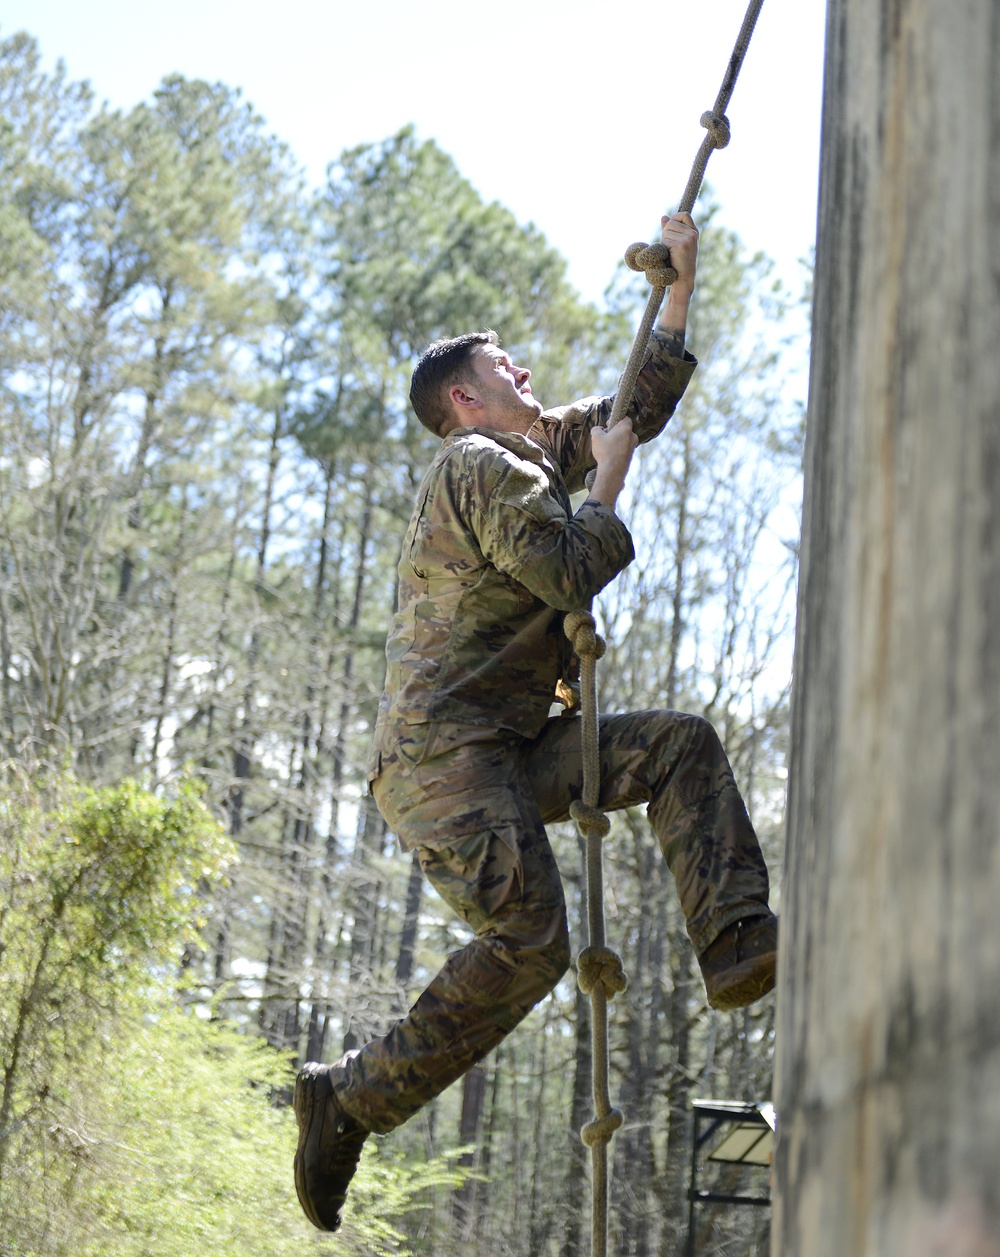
(329, 1145)
(738, 967)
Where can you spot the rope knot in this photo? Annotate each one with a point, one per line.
(601, 965)
(581, 629)
(654, 260)
(717, 125)
(600, 1130)
(590, 819)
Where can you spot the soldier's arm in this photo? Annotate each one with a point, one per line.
(680, 235)
(613, 452)
(663, 376)
(524, 531)
(565, 431)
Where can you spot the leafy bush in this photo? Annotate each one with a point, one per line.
(131, 1127)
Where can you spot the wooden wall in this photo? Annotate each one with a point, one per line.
(888, 1072)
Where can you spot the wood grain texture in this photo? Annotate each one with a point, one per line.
(888, 1071)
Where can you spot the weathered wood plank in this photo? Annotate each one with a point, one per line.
(888, 1074)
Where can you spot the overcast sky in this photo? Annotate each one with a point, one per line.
(581, 117)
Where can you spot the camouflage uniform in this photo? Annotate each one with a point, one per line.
(467, 765)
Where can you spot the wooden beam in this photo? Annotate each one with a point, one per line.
(888, 1071)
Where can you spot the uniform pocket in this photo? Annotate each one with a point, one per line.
(413, 744)
(476, 875)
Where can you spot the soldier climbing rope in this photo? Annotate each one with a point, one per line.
(466, 765)
(600, 971)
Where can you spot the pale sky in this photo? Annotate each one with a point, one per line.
(580, 117)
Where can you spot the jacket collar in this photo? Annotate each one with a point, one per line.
(516, 442)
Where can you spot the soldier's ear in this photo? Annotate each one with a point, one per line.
(462, 396)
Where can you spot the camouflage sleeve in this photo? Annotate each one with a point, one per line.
(523, 530)
(565, 430)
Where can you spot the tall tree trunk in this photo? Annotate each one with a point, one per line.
(295, 925)
(634, 1151)
(411, 919)
(365, 922)
(243, 751)
(470, 1124)
(170, 646)
(137, 473)
(539, 1213)
(493, 1119)
(679, 595)
(8, 723)
(574, 1190)
(371, 827)
(679, 1114)
(245, 734)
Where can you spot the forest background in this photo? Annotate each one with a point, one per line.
(207, 462)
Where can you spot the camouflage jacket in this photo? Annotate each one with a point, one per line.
(494, 555)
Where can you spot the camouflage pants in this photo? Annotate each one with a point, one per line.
(473, 803)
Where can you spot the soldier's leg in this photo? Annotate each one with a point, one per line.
(470, 816)
(676, 764)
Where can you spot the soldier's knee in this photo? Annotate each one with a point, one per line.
(685, 751)
(702, 732)
(684, 729)
(539, 950)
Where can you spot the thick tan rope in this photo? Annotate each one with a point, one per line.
(654, 259)
(601, 971)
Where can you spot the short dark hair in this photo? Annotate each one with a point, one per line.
(440, 366)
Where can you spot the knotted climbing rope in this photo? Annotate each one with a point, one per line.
(600, 970)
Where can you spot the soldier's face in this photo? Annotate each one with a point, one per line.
(508, 403)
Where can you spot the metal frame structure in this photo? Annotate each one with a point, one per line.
(747, 1143)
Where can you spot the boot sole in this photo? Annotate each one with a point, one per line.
(304, 1101)
(746, 984)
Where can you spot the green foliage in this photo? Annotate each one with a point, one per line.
(168, 1141)
(130, 1126)
(97, 887)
